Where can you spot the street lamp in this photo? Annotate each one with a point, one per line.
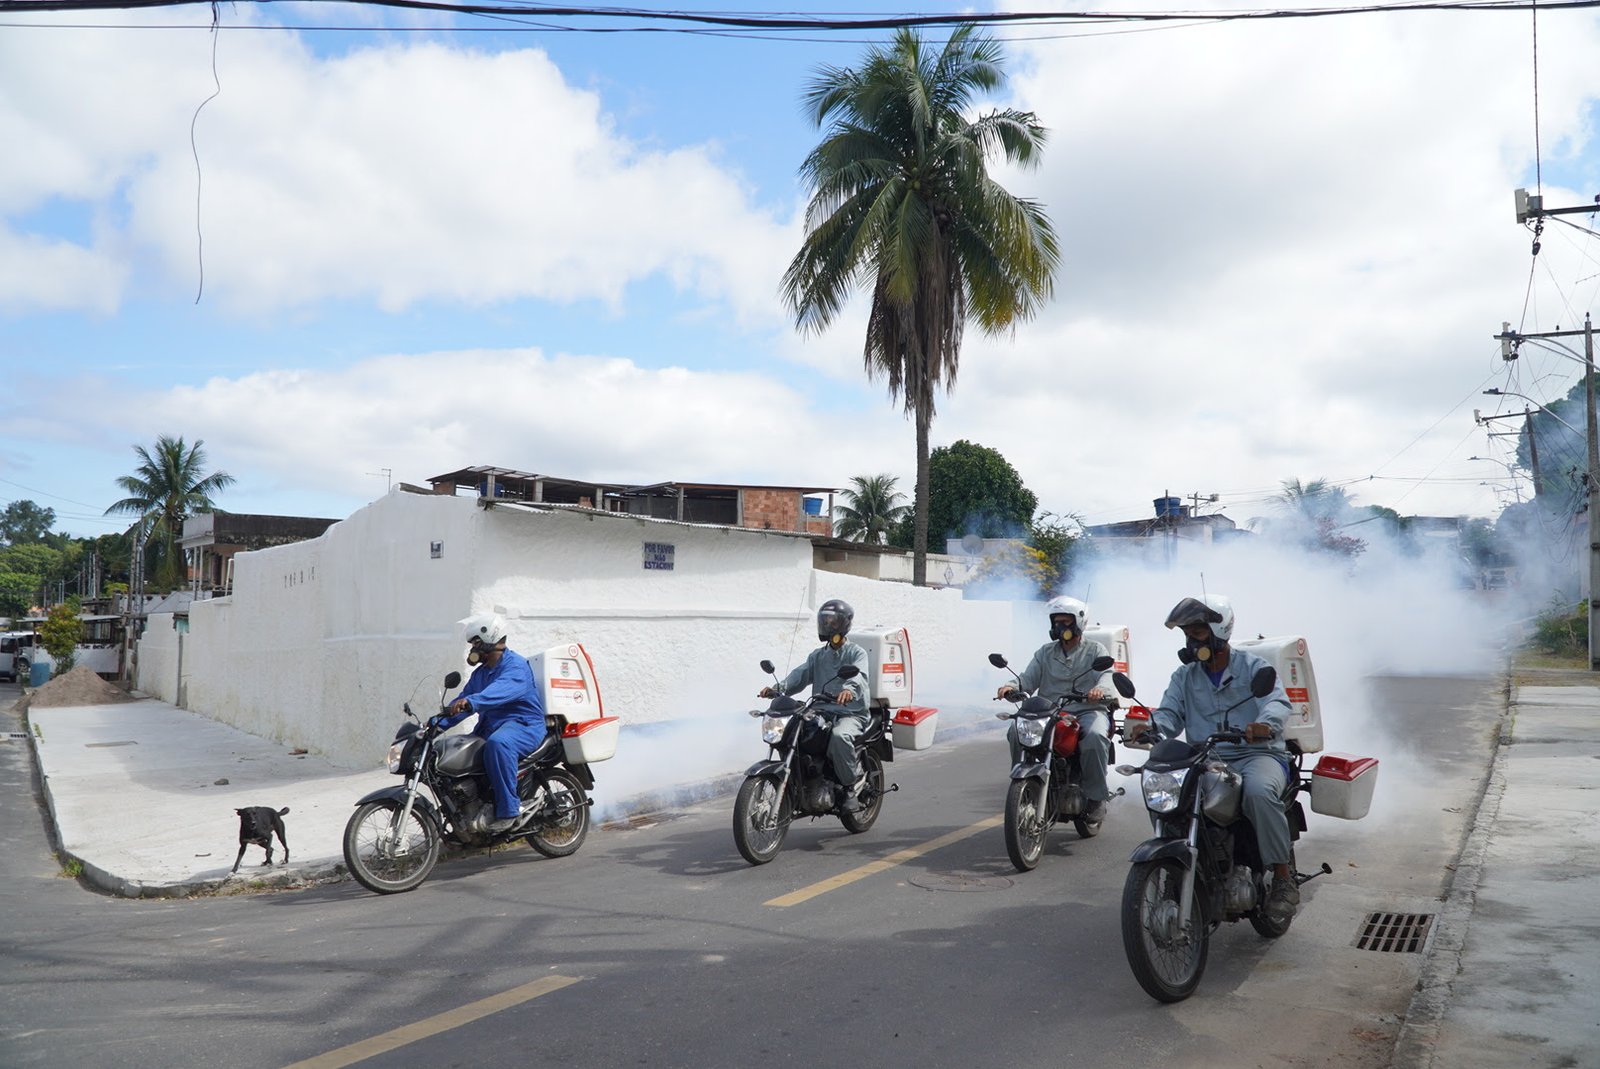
(1495, 392)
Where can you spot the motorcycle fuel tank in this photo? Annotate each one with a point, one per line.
(1223, 790)
(457, 755)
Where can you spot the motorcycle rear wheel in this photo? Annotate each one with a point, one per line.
(760, 819)
(562, 834)
(863, 818)
(1167, 962)
(387, 858)
(1025, 823)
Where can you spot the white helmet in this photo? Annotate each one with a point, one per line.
(1224, 608)
(486, 627)
(1064, 606)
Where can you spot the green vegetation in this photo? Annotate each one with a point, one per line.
(902, 204)
(60, 634)
(1562, 631)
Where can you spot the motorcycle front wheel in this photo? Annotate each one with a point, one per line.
(1025, 823)
(760, 819)
(387, 855)
(564, 830)
(1167, 960)
(863, 818)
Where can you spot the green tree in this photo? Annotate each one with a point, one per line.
(23, 521)
(871, 509)
(60, 634)
(972, 489)
(1555, 434)
(1321, 512)
(166, 488)
(17, 591)
(901, 201)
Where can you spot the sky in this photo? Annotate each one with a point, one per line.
(349, 258)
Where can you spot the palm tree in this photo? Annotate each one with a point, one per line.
(871, 509)
(901, 201)
(167, 487)
(1314, 500)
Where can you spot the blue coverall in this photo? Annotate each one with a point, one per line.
(510, 721)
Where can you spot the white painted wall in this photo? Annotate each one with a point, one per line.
(321, 641)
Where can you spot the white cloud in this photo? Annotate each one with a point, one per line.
(395, 173)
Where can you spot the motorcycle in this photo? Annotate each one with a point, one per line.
(797, 779)
(1047, 783)
(393, 839)
(1203, 866)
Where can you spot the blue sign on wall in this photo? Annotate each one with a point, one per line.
(658, 556)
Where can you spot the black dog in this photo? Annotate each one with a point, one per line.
(257, 824)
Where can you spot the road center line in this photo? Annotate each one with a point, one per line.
(431, 1026)
(794, 898)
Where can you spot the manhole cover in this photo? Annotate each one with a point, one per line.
(1395, 933)
(959, 881)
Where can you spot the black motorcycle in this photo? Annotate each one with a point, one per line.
(393, 839)
(1047, 783)
(1203, 866)
(797, 778)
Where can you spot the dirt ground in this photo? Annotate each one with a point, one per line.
(80, 686)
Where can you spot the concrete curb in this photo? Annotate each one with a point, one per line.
(299, 876)
(1415, 1043)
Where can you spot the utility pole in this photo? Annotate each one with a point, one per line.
(1509, 343)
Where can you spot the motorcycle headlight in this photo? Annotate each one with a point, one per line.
(1161, 789)
(772, 728)
(1030, 732)
(397, 753)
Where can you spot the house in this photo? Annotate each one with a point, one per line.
(1173, 522)
(210, 540)
(803, 509)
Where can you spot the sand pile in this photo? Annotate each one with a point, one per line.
(81, 686)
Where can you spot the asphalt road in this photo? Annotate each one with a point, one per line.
(656, 945)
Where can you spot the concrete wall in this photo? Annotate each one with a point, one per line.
(321, 641)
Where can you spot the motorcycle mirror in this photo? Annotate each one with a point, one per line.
(849, 671)
(766, 666)
(1123, 684)
(452, 681)
(1263, 682)
(1100, 664)
(998, 661)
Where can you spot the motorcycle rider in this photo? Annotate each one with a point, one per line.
(1065, 661)
(1213, 678)
(504, 694)
(848, 699)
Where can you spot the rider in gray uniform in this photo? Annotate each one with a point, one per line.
(1066, 666)
(848, 699)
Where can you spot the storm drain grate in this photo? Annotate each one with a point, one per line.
(1395, 933)
(13, 736)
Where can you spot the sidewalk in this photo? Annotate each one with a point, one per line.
(142, 797)
(1512, 972)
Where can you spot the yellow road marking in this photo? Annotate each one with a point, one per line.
(794, 898)
(430, 1026)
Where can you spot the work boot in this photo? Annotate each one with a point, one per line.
(1282, 900)
(503, 824)
(1094, 811)
(852, 795)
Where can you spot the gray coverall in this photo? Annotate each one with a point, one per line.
(818, 671)
(1194, 704)
(1054, 673)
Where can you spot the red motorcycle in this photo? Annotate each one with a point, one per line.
(1047, 783)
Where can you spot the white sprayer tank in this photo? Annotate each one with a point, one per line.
(1291, 657)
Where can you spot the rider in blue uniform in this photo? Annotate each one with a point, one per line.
(504, 694)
